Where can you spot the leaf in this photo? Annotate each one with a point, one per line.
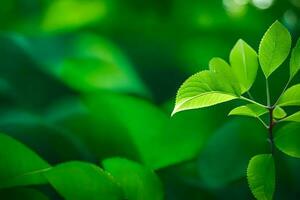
(287, 139)
(291, 97)
(251, 110)
(244, 63)
(221, 67)
(79, 180)
(292, 118)
(137, 181)
(160, 144)
(295, 60)
(261, 176)
(60, 14)
(274, 48)
(19, 165)
(204, 89)
(225, 157)
(279, 113)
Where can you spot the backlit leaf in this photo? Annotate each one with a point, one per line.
(204, 89)
(295, 60)
(274, 48)
(291, 96)
(251, 110)
(244, 63)
(279, 113)
(261, 176)
(293, 118)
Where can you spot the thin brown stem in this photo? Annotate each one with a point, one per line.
(270, 129)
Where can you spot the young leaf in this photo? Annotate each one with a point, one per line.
(293, 118)
(274, 48)
(244, 62)
(291, 97)
(19, 165)
(78, 180)
(251, 110)
(287, 139)
(261, 176)
(204, 89)
(295, 60)
(279, 113)
(137, 181)
(221, 67)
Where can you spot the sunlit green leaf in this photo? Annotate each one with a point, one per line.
(274, 48)
(287, 139)
(251, 110)
(293, 118)
(204, 89)
(137, 181)
(78, 180)
(291, 96)
(295, 60)
(261, 176)
(19, 165)
(221, 67)
(244, 63)
(224, 159)
(279, 113)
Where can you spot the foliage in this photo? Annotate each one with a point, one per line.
(224, 82)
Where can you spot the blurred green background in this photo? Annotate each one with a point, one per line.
(92, 79)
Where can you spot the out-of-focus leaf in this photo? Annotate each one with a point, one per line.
(44, 137)
(85, 62)
(137, 181)
(78, 180)
(71, 14)
(287, 139)
(274, 48)
(158, 141)
(22, 193)
(225, 157)
(295, 60)
(279, 113)
(204, 89)
(244, 63)
(292, 118)
(19, 165)
(261, 176)
(291, 97)
(251, 110)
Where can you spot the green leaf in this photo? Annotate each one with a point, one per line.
(225, 157)
(251, 110)
(261, 176)
(19, 165)
(221, 67)
(295, 60)
(274, 48)
(244, 63)
(287, 139)
(291, 97)
(293, 118)
(137, 181)
(78, 180)
(279, 113)
(204, 89)
(60, 15)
